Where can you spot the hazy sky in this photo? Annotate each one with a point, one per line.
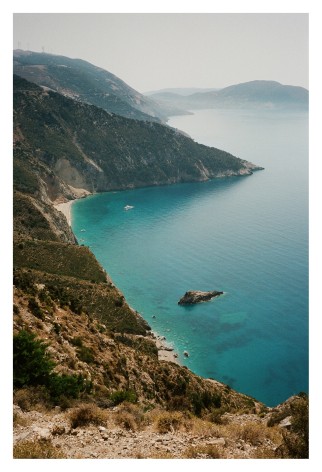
(152, 51)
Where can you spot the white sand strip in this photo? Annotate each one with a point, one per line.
(65, 208)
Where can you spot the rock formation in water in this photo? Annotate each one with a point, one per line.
(196, 296)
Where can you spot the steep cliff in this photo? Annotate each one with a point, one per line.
(81, 146)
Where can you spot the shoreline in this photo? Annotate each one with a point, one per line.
(66, 208)
(165, 351)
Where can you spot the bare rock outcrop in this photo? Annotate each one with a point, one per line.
(196, 296)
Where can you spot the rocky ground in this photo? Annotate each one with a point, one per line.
(119, 435)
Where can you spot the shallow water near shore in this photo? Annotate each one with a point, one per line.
(246, 236)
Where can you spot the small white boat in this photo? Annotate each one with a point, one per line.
(128, 207)
(83, 230)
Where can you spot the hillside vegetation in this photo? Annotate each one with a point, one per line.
(87, 83)
(88, 377)
(84, 147)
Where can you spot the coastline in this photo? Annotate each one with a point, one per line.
(165, 351)
(65, 208)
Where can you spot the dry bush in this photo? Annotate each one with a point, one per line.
(170, 421)
(40, 449)
(252, 433)
(87, 414)
(32, 398)
(207, 451)
(130, 417)
(203, 427)
(166, 421)
(263, 453)
(126, 421)
(217, 416)
(58, 430)
(20, 420)
(248, 432)
(160, 455)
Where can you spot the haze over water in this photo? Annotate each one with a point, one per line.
(247, 236)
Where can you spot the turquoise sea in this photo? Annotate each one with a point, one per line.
(246, 236)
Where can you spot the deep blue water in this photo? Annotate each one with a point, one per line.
(247, 236)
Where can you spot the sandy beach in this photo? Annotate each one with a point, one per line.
(65, 208)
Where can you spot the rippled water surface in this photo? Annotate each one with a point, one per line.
(246, 236)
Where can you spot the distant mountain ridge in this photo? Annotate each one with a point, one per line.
(181, 90)
(82, 81)
(261, 94)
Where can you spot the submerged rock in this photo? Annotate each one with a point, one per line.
(196, 296)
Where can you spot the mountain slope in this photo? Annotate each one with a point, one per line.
(106, 392)
(80, 146)
(61, 293)
(82, 81)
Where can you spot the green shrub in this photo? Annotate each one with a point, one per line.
(85, 354)
(216, 416)
(76, 306)
(25, 281)
(31, 364)
(35, 309)
(123, 395)
(16, 310)
(77, 341)
(296, 441)
(57, 328)
(69, 386)
(119, 301)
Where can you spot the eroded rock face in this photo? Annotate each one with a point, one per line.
(196, 296)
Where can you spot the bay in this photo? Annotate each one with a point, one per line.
(246, 236)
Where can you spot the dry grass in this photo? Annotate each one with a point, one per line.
(130, 417)
(207, 451)
(252, 433)
(166, 422)
(156, 454)
(32, 398)
(41, 449)
(20, 420)
(87, 414)
(201, 427)
(263, 453)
